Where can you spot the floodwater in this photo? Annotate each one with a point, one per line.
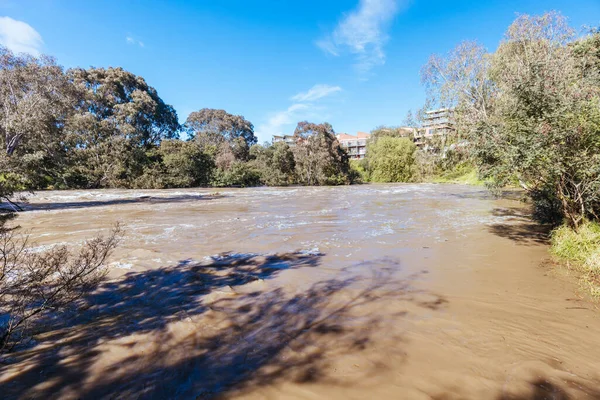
(359, 292)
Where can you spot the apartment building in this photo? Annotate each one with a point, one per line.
(289, 139)
(436, 123)
(356, 146)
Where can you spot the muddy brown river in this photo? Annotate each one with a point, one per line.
(359, 292)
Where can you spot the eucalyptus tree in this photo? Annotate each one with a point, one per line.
(213, 127)
(125, 105)
(319, 158)
(461, 81)
(118, 118)
(36, 100)
(546, 125)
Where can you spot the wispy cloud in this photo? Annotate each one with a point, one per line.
(131, 40)
(362, 32)
(20, 37)
(278, 120)
(316, 92)
(305, 106)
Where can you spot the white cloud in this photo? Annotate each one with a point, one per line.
(316, 92)
(362, 32)
(20, 37)
(276, 122)
(304, 107)
(131, 40)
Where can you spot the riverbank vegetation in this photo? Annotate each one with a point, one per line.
(390, 158)
(530, 113)
(526, 113)
(108, 128)
(580, 250)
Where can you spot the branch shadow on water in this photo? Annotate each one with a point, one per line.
(206, 330)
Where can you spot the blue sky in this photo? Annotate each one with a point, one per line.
(353, 63)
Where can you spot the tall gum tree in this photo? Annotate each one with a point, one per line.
(117, 119)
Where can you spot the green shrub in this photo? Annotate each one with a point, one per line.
(275, 163)
(359, 167)
(391, 159)
(185, 164)
(464, 173)
(238, 174)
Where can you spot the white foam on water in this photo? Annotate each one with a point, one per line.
(121, 265)
(310, 252)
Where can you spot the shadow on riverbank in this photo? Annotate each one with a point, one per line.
(519, 227)
(544, 389)
(202, 330)
(541, 387)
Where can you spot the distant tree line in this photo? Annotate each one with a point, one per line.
(106, 127)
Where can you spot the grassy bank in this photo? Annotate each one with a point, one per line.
(580, 250)
(466, 175)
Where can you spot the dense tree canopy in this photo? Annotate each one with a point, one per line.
(276, 163)
(35, 100)
(392, 131)
(391, 159)
(212, 126)
(117, 119)
(115, 102)
(320, 160)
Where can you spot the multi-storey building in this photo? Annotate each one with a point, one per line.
(289, 139)
(436, 123)
(356, 146)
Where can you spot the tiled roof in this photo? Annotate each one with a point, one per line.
(359, 135)
(345, 136)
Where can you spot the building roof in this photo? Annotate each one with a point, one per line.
(359, 135)
(345, 136)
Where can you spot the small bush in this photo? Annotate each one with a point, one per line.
(358, 167)
(35, 283)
